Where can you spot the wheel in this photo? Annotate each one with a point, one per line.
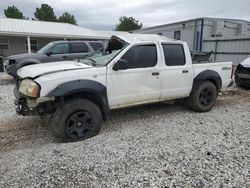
(236, 79)
(204, 98)
(78, 119)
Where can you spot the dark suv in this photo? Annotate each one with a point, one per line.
(54, 51)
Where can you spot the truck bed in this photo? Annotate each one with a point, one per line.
(222, 68)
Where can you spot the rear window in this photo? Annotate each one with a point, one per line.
(96, 45)
(174, 54)
(78, 48)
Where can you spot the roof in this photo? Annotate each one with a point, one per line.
(74, 41)
(190, 20)
(20, 27)
(137, 38)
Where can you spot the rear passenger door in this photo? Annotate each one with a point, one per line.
(78, 50)
(177, 72)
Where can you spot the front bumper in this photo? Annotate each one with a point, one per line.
(27, 106)
(22, 107)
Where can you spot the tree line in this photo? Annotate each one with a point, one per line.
(43, 13)
(46, 13)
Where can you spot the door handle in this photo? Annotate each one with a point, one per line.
(184, 71)
(155, 73)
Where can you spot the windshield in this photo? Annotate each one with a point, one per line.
(99, 58)
(104, 56)
(45, 49)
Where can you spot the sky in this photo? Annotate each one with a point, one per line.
(104, 14)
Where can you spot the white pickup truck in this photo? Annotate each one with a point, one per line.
(133, 69)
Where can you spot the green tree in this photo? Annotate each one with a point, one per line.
(13, 12)
(128, 24)
(67, 18)
(45, 13)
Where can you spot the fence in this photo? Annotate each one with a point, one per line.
(235, 50)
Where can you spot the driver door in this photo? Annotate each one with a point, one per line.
(140, 82)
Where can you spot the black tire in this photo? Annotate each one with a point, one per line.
(236, 79)
(77, 119)
(204, 98)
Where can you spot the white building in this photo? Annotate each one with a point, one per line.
(21, 36)
(231, 35)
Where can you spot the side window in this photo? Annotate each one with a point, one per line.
(4, 43)
(177, 35)
(96, 45)
(78, 48)
(141, 56)
(60, 49)
(174, 54)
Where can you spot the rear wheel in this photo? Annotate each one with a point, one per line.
(204, 98)
(78, 119)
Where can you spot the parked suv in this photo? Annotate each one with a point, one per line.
(54, 51)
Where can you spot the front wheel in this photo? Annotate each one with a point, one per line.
(236, 79)
(78, 119)
(204, 98)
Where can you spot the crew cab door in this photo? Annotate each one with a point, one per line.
(177, 71)
(140, 79)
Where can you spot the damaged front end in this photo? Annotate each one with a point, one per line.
(242, 76)
(32, 106)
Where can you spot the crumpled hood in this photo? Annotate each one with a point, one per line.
(32, 71)
(25, 56)
(246, 63)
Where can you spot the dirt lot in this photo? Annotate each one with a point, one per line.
(159, 145)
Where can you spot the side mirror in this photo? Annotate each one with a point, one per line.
(49, 53)
(121, 64)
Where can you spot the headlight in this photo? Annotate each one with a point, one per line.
(29, 88)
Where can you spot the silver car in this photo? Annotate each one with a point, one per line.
(53, 51)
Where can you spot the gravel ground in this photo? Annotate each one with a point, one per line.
(159, 145)
(5, 79)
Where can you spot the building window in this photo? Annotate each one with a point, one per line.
(177, 35)
(33, 45)
(4, 43)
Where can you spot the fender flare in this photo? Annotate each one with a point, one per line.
(81, 87)
(207, 75)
